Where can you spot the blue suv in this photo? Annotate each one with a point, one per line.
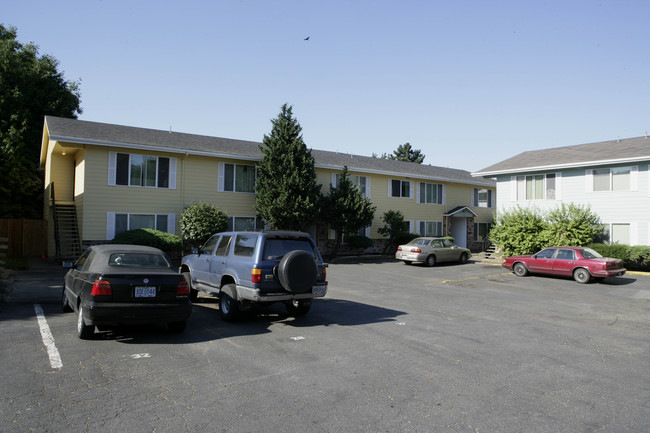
(247, 268)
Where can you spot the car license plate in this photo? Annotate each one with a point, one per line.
(319, 290)
(145, 291)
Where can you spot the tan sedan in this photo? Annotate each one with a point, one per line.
(429, 250)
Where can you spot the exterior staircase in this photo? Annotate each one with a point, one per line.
(489, 249)
(66, 232)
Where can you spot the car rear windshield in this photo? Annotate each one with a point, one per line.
(588, 253)
(139, 260)
(276, 248)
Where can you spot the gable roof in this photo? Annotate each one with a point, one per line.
(582, 155)
(103, 134)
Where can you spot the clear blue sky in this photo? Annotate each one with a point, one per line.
(468, 82)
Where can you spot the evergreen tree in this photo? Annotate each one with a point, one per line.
(288, 196)
(31, 87)
(406, 153)
(345, 209)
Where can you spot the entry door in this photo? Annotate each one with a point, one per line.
(459, 231)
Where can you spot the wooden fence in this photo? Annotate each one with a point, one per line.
(26, 238)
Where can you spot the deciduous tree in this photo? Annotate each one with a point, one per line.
(31, 87)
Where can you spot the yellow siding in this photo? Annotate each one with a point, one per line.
(456, 195)
(80, 173)
(197, 180)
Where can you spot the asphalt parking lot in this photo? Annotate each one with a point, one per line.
(393, 348)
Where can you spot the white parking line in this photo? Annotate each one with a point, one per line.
(48, 338)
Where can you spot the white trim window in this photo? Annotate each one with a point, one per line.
(400, 188)
(482, 197)
(244, 224)
(620, 233)
(430, 228)
(118, 222)
(612, 179)
(236, 178)
(362, 182)
(537, 187)
(431, 193)
(130, 169)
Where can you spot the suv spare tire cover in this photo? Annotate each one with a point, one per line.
(297, 271)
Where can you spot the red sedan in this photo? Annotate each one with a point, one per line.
(581, 263)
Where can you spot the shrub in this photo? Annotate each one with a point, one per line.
(151, 238)
(517, 232)
(395, 228)
(528, 230)
(571, 225)
(358, 242)
(634, 257)
(200, 221)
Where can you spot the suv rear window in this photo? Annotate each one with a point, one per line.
(275, 248)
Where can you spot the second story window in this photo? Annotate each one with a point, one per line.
(537, 187)
(236, 177)
(400, 188)
(482, 197)
(361, 182)
(612, 179)
(131, 169)
(432, 193)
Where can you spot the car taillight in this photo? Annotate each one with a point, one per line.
(101, 288)
(256, 276)
(324, 273)
(182, 288)
(416, 250)
(399, 248)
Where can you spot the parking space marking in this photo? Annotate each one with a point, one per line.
(476, 278)
(48, 338)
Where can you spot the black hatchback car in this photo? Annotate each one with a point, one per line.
(115, 284)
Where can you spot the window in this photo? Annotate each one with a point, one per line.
(566, 255)
(245, 245)
(612, 179)
(243, 224)
(236, 178)
(224, 246)
(481, 231)
(122, 222)
(482, 197)
(430, 228)
(620, 234)
(546, 254)
(399, 188)
(432, 193)
(537, 187)
(362, 182)
(208, 247)
(141, 170)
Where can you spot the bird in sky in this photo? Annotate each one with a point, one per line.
(307, 38)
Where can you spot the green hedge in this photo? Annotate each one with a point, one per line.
(635, 257)
(151, 238)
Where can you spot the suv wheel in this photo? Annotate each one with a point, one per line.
(297, 271)
(228, 307)
(298, 308)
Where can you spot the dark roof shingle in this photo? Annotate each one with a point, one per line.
(79, 131)
(605, 152)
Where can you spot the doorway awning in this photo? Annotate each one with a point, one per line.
(461, 212)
